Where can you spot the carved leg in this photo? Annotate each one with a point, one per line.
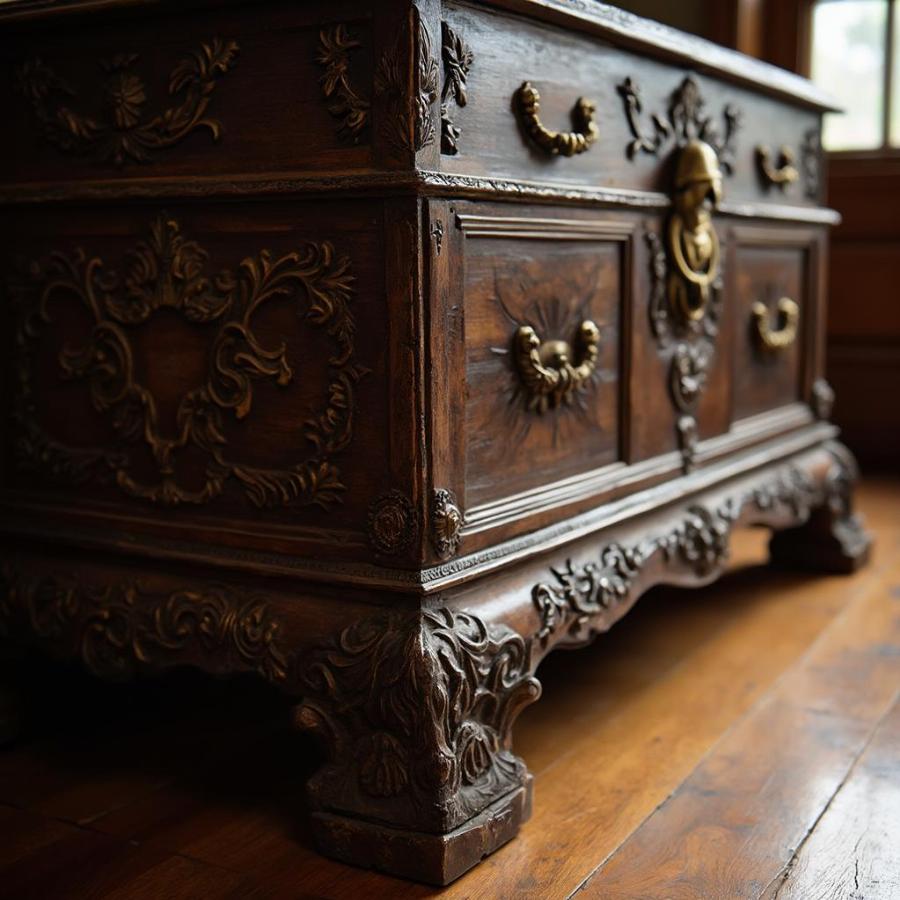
(833, 539)
(415, 711)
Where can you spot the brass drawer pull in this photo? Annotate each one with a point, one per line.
(557, 143)
(552, 371)
(784, 173)
(777, 338)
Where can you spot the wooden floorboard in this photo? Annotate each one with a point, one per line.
(742, 740)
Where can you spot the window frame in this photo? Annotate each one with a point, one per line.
(885, 151)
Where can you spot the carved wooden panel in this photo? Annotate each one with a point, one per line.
(226, 361)
(770, 275)
(560, 284)
(178, 96)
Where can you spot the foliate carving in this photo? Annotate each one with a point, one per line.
(446, 523)
(811, 162)
(690, 362)
(410, 120)
(345, 104)
(125, 133)
(822, 398)
(685, 121)
(169, 271)
(699, 544)
(116, 627)
(417, 713)
(458, 59)
(392, 523)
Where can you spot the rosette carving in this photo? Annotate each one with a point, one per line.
(169, 271)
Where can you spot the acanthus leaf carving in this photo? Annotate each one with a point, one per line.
(417, 713)
(345, 104)
(169, 271)
(126, 135)
(446, 523)
(698, 543)
(458, 58)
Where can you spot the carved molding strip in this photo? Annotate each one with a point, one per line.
(811, 163)
(169, 271)
(416, 712)
(345, 104)
(116, 627)
(458, 59)
(685, 120)
(699, 543)
(125, 134)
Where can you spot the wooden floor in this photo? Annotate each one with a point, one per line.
(737, 741)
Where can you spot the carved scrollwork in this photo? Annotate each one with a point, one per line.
(345, 104)
(698, 543)
(686, 121)
(169, 271)
(811, 163)
(116, 627)
(126, 134)
(416, 712)
(446, 523)
(458, 59)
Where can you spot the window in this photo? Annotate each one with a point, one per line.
(855, 47)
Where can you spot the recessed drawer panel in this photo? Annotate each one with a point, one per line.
(773, 295)
(543, 300)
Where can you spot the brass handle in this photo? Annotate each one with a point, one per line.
(777, 338)
(552, 371)
(784, 173)
(557, 143)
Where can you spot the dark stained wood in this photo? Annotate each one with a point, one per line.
(621, 725)
(319, 366)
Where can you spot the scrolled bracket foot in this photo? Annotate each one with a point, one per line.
(834, 538)
(415, 711)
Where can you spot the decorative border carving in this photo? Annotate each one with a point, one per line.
(446, 523)
(811, 163)
(117, 627)
(126, 135)
(335, 44)
(169, 271)
(392, 522)
(686, 121)
(416, 711)
(698, 543)
(458, 59)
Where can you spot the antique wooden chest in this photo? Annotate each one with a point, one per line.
(380, 348)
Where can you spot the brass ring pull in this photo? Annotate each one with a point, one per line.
(557, 143)
(693, 304)
(784, 173)
(777, 338)
(552, 371)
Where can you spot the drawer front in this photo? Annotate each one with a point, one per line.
(641, 110)
(543, 318)
(240, 92)
(217, 373)
(774, 291)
